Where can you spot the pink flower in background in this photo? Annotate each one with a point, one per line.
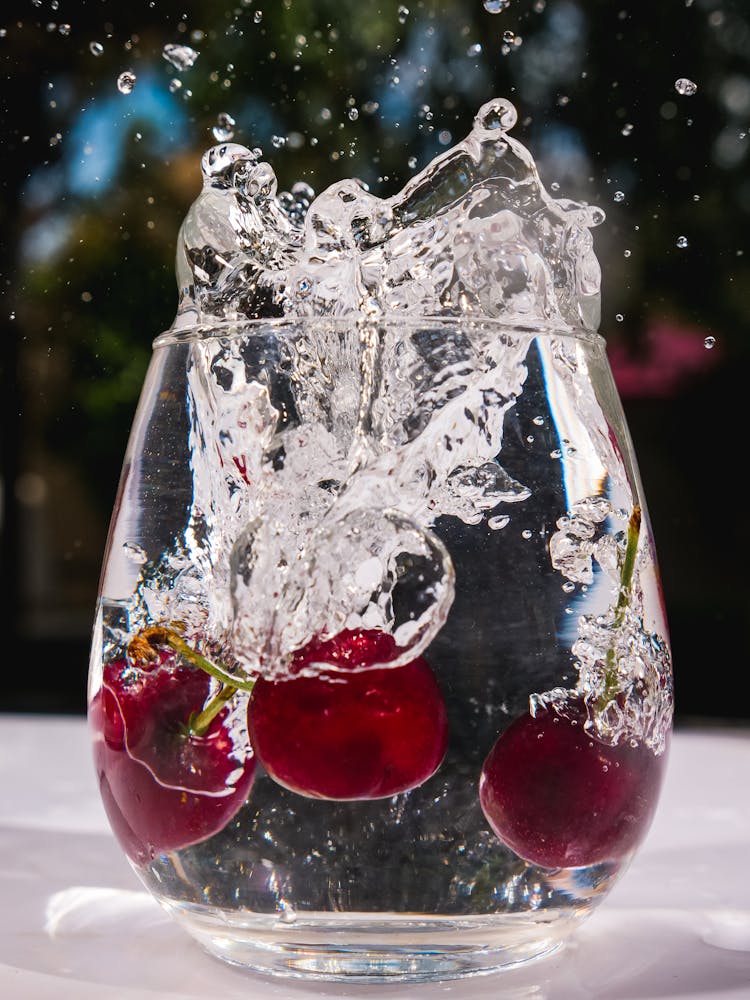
(670, 358)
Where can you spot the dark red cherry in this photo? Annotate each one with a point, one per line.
(561, 799)
(164, 787)
(351, 732)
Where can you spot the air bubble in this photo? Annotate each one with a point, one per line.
(527, 533)
(96, 48)
(682, 242)
(568, 587)
(135, 553)
(474, 50)
(174, 85)
(496, 6)
(709, 343)
(627, 253)
(619, 317)
(627, 129)
(64, 29)
(509, 37)
(258, 16)
(278, 141)
(498, 522)
(126, 81)
(403, 13)
(352, 114)
(412, 162)
(619, 196)
(685, 87)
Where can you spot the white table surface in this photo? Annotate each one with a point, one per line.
(75, 922)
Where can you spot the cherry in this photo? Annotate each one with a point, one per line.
(560, 798)
(353, 732)
(164, 786)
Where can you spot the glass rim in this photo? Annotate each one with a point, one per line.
(228, 328)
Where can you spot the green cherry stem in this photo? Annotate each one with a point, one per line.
(623, 603)
(199, 722)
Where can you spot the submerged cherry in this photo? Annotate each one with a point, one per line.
(165, 786)
(356, 731)
(561, 799)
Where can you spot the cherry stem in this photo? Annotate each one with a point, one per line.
(623, 603)
(157, 635)
(199, 722)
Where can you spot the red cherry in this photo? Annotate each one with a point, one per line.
(164, 788)
(561, 799)
(351, 733)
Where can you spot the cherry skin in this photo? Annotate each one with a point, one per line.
(560, 798)
(164, 788)
(351, 733)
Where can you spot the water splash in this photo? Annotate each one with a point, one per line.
(474, 233)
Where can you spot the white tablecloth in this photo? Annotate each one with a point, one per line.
(75, 922)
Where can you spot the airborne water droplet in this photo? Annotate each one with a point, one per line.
(174, 85)
(258, 16)
(627, 129)
(496, 115)
(682, 242)
(223, 130)
(495, 6)
(403, 13)
(619, 196)
(126, 81)
(709, 343)
(96, 48)
(135, 553)
(685, 87)
(498, 522)
(180, 56)
(474, 50)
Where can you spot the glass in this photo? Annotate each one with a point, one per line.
(380, 682)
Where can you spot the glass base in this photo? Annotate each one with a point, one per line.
(362, 947)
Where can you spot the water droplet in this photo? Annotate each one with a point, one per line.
(527, 533)
(568, 587)
(223, 130)
(709, 343)
(258, 16)
(495, 6)
(619, 196)
(64, 29)
(685, 87)
(412, 162)
(498, 522)
(509, 37)
(538, 421)
(403, 13)
(499, 114)
(619, 317)
(474, 50)
(682, 242)
(277, 141)
(126, 81)
(180, 56)
(287, 913)
(627, 253)
(96, 48)
(174, 85)
(445, 137)
(352, 114)
(627, 129)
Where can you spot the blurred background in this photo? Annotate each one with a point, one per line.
(643, 109)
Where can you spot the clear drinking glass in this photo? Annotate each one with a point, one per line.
(380, 683)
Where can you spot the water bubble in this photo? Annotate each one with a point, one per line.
(278, 141)
(403, 13)
(412, 162)
(709, 343)
(627, 129)
(258, 16)
(135, 553)
(370, 107)
(538, 421)
(685, 87)
(527, 533)
(495, 6)
(181, 57)
(174, 85)
(474, 50)
(619, 196)
(352, 114)
(96, 48)
(509, 37)
(627, 253)
(619, 317)
(498, 522)
(444, 137)
(223, 130)
(126, 81)
(682, 242)
(64, 29)
(568, 587)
